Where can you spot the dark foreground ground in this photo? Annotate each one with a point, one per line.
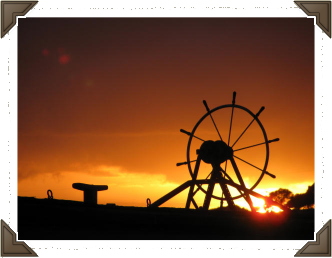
(43, 219)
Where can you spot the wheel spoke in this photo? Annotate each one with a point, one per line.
(260, 111)
(184, 163)
(208, 110)
(230, 126)
(271, 175)
(274, 140)
(187, 133)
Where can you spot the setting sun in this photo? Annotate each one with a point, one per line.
(259, 204)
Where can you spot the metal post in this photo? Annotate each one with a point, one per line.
(191, 190)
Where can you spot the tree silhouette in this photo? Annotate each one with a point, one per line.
(281, 196)
(303, 200)
(297, 201)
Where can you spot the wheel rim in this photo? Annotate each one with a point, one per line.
(265, 138)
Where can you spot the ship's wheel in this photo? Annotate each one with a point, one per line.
(221, 152)
(220, 156)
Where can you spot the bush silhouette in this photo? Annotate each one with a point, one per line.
(297, 201)
(281, 196)
(306, 200)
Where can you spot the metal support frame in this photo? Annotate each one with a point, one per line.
(215, 153)
(220, 180)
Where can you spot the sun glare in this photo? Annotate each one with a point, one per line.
(259, 204)
(274, 209)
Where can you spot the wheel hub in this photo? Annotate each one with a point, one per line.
(215, 152)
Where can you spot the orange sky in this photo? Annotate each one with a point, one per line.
(101, 101)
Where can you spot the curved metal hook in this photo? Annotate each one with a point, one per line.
(49, 194)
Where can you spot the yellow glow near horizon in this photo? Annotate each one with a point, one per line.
(131, 189)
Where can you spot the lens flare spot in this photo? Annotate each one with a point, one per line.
(64, 59)
(45, 52)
